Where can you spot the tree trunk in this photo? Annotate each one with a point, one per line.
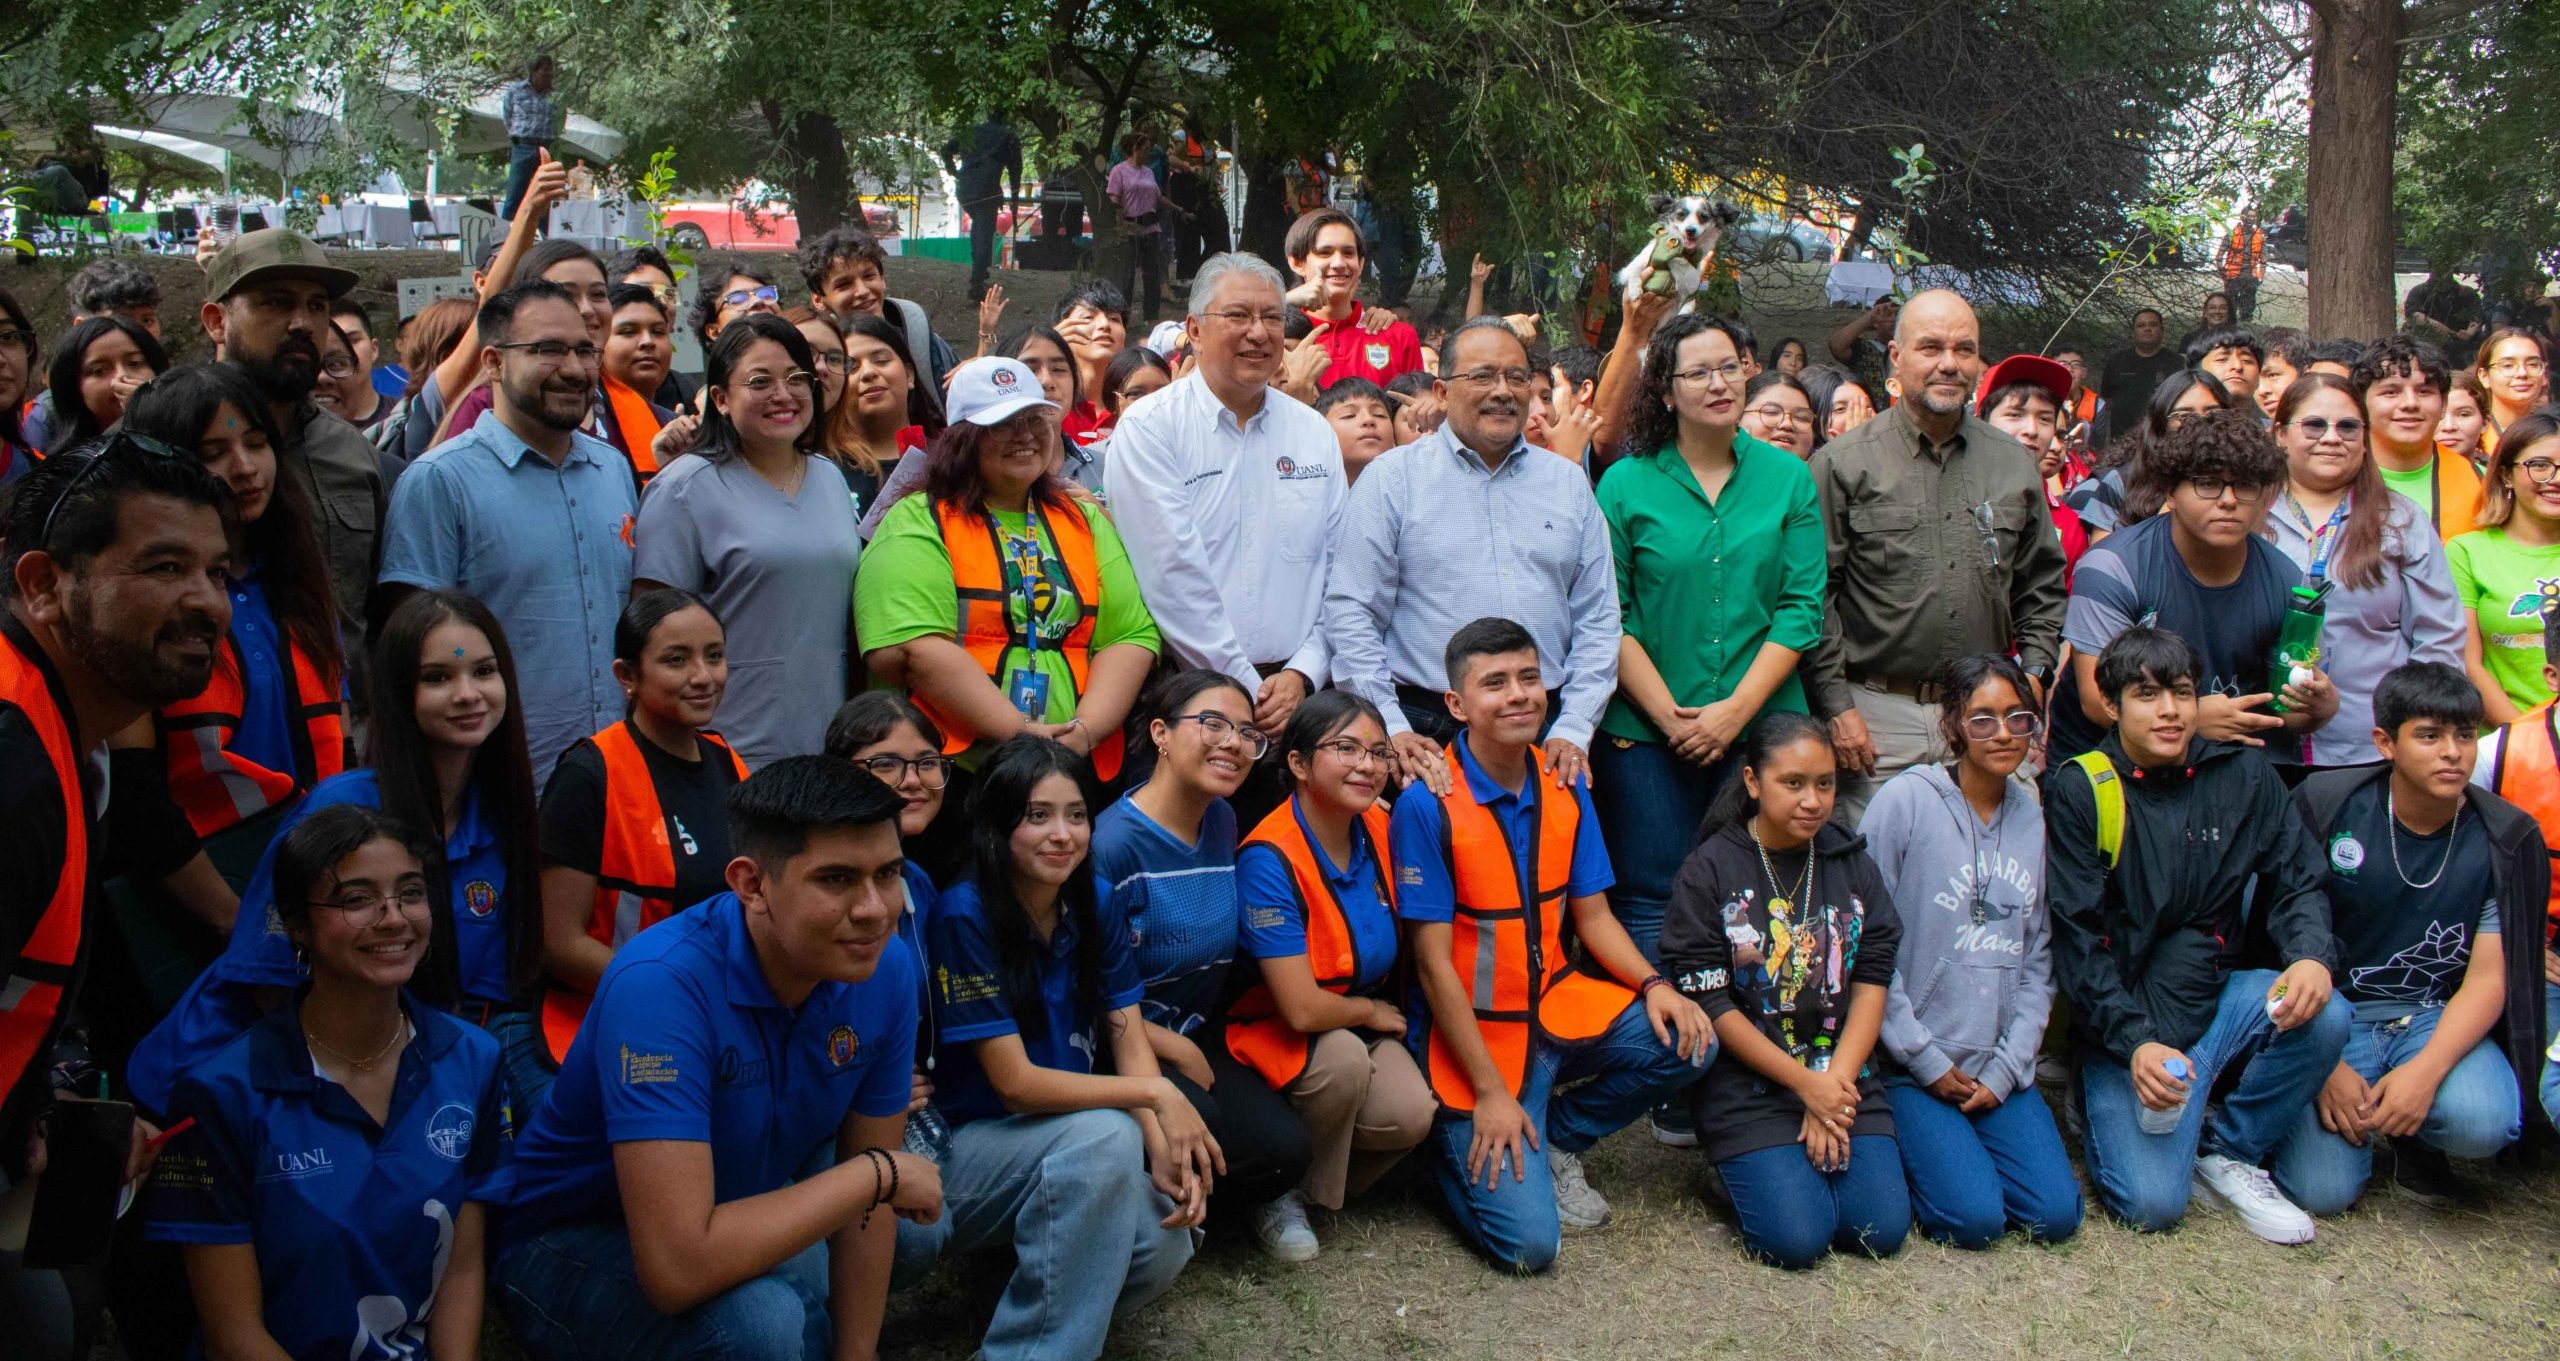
(1265, 228)
(2355, 86)
(820, 177)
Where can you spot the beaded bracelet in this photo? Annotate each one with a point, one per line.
(879, 1196)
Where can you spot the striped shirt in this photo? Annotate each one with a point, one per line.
(1432, 540)
(1179, 901)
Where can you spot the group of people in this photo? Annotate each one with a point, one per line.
(676, 875)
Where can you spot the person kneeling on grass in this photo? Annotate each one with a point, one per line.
(716, 1170)
(1780, 926)
(2155, 844)
(2447, 999)
(1494, 877)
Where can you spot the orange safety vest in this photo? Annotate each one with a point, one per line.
(2453, 496)
(635, 425)
(2526, 773)
(2245, 253)
(986, 629)
(217, 787)
(1257, 1034)
(31, 997)
(1508, 937)
(636, 872)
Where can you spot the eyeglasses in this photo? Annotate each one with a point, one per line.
(761, 383)
(338, 367)
(1485, 378)
(834, 361)
(2315, 429)
(2180, 420)
(1779, 415)
(1728, 372)
(748, 297)
(1243, 319)
(1354, 753)
(2541, 470)
(555, 352)
(363, 906)
(1984, 727)
(933, 772)
(119, 441)
(25, 340)
(1216, 729)
(2215, 488)
(2518, 366)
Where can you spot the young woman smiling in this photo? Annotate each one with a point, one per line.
(2501, 571)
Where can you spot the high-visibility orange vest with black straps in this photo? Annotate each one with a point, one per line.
(2526, 773)
(218, 787)
(2453, 496)
(635, 426)
(1507, 936)
(986, 629)
(31, 997)
(1257, 1034)
(636, 871)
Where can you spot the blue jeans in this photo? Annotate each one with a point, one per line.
(2551, 1070)
(1793, 1214)
(1514, 1221)
(1973, 1177)
(572, 1294)
(2145, 1179)
(1070, 1194)
(524, 1058)
(522, 158)
(1650, 802)
(2476, 1112)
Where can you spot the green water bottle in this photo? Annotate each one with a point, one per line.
(2297, 654)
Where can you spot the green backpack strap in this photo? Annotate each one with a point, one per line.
(2109, 792)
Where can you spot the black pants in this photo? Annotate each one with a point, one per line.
(1143, 253)
(1266, 1145)
(982, 241)
(2244, 298)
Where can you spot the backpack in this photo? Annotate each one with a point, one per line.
(2109, 792)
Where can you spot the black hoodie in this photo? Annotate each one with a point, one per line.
(2142, 950)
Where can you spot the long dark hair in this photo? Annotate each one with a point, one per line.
(1773, 731)
(2357, 561)
(1967, 674)
(1012, 771)
(951, 475)
(1822, 384)
(719, 438)
(2132, 451)
(312, 851)
(284, 543)
(872, 715)
(1169, 697)
(1657, 423)
(501, 777)
(74, 423)
(1125, 366)
(1321, 716)
(16, 318)
(1075, 372)
(924, 404)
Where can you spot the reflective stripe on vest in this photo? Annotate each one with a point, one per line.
(1507, 936)
(985, 627)
(217, 786)
(31, 996)
(2527, 774)
(1257, 1034)
(635, 871)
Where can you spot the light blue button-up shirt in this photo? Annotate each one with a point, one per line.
(547, 548)
(1433, 540)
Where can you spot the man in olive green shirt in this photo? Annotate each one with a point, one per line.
(1940, 546)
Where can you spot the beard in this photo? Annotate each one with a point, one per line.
(551, 404)
(286, 373)
(1955, 407)
(138, 669)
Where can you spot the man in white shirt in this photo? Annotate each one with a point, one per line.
(1226, 491)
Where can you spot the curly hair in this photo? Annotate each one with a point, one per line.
(2219, 445)
(1657, 422)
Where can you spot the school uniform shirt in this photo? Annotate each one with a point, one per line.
(265, 735)
(1379, 356)
(913, 924)
(1275, 921)
(972, 1001)
(2136, 577)
(2503, 584)
(222, 1003)
(352, 1222)
(1179, 901)
(687, 1042)
(694, 796)
(2403, 949)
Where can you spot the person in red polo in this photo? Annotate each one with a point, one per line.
(1326, 251)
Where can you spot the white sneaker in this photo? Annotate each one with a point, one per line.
(1281, 1228)
(2252, 1194)
(1577, 1204)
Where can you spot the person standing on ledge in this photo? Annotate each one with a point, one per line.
(526, 108)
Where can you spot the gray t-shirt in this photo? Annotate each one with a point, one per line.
(778, 570)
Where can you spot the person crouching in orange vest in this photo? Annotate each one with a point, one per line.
(1501, 875)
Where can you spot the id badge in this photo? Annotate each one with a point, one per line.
(1029, 691)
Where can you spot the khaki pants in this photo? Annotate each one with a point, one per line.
(1365, 1105)
(1906, 735)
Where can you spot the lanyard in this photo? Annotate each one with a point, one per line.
(1024, 576)
(2324, 540)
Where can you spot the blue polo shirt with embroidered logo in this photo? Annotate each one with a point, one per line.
(970, 1002)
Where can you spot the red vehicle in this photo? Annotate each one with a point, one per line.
(738, 225)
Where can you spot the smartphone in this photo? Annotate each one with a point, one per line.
(226, 221)
(82, 1190)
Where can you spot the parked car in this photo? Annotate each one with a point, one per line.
(1765, 238)
(741, 225)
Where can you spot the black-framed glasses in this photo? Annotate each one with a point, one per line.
(2541, 470)
(2215, 488)
(555, 352)
(1216, 729)
(1353, 753)
(369, 906)
(120, 440)
(1779, 415)
(338, 366)
(2315, 429)
(933, 772)
(2019, 722)
(748, 297)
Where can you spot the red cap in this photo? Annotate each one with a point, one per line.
(2025, 368)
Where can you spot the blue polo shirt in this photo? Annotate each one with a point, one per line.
(352, 1221)
(547, 549)
(972, 1003)
(265, 735)
(1179, 900)
(1275, 916)
(221, 1002)
(686, 1041)
(921, 898)
(1418, 837)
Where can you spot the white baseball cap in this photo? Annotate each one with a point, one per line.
(992, 391)
(1167, 339)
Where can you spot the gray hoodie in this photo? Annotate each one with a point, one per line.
(1971, 988)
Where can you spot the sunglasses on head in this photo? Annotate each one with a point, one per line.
(111, 445)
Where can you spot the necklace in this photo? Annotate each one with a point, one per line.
(2391, 810)
(399, 1033)
(1778, 905)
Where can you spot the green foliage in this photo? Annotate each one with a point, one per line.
(2476, 181)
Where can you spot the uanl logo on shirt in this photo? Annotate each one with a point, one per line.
(296, 1164)
(449, 1131)
(735, 1069)
(1291, 470)
(480, 897)
(842, 1044)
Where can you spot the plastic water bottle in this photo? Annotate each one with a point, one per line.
(2166, 1122)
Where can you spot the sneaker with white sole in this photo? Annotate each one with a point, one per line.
(1673, 1126)
(1281, 1227)
(2252, 1194)
(1577, 1204)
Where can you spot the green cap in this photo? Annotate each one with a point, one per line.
(277, 252)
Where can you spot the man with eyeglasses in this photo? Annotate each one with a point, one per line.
(1941, 546)
(2403, 382)
(1227, 492)
(2196, 569)
(1456, 526)
(531, 515)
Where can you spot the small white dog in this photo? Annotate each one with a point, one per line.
(1683, 237)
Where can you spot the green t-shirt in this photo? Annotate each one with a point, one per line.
(2503, 583)
(2418, 484)
(903, 591)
